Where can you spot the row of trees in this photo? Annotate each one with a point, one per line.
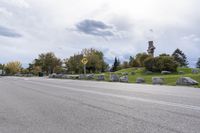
(96, 62)
(48, 63)
(162, 62)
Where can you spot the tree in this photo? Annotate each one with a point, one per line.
(140, 57)
(12, 68)
(95, 63)
(116, 65)
(133, 62)
(161, 63)
(24, 71)
(73, 63)
(131, 59)
(164, 54)
(198, 63)
(180, 57)
(125, 65)
(1, 66)
(47, 62)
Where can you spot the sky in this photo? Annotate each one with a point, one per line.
(119, 28)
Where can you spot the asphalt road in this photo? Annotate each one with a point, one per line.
(39, 105)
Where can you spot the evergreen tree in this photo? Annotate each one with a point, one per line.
(116, 65)
(180, 57)
(198, 63)
(131, 59)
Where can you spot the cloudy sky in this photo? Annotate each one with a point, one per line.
(117, 27)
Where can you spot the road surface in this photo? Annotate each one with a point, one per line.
(39, 105)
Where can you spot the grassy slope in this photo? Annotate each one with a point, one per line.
(169, 79)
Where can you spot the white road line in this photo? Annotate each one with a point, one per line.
(124, 97)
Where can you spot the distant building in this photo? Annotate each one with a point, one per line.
(151, 48)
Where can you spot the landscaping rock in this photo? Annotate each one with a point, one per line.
(66, 76)
(53, 75)
(140, 80)
(195, 71)
(90, 76)
(125, 73)
(132, 73)
(186, 81)
(100, 77)
(148, 72)
(114, 78)
(166, 72)
(157, 81)
(124, 79)
(81, 76)
(59, 76)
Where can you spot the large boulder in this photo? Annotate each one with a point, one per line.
(158, 81)
(100, 77)
(59, 76)
(186, 81)
(81, 76)
(74, 76)
(125, 73)
(140, 80)
(90, 76)
(148, 72)
(124, 79)
(65, 76)
(53, 75)
(166, 72)
(114, 78)
(195, 71)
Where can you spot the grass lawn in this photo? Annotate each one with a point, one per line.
(170, 79)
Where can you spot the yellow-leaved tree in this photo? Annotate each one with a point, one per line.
(13, 67)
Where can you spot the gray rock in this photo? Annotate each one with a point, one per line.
(59, 76)
(114, 78)
(65, 76)
(140, 80)
(76, 77)
(181, 72)
(186, 81)
(195, 71)
(125, 73)
(18, 75)
(81, 76)
(53, 75)
(90, 76)
(124, 79)
(73, 76)
(157, 81)
(166, 72)
(100, 77)
(148, 72)
(132, 73)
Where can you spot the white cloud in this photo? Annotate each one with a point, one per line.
(16, 3)
(43, 24)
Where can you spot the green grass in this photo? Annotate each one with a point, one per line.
(170, 79)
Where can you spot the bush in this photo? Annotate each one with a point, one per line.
(161, 63)
(140, 58)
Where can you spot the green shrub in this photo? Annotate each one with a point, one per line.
(161, 63)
